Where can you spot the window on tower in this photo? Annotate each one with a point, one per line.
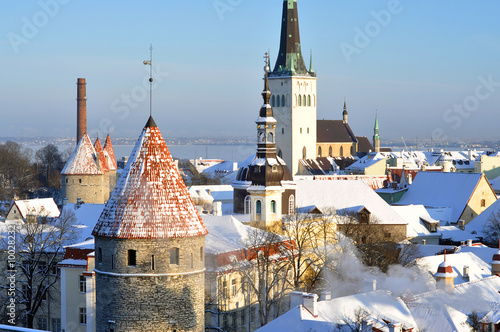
(283, 101)
(273, 206)
(299, 101)
(309, 100)
(273, 100)
(270, 138)
(258, 207)
(278, 101)
(248, 205)
(174, 256)
(319, 151)
(304, 152)
(132, 257)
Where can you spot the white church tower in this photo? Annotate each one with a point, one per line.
(293, 89)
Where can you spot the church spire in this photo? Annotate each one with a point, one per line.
(376, 135)
(290, 59)
(344, 114)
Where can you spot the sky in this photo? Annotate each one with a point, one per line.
(429, 68)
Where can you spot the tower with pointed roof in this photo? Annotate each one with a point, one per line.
(293, 89)
(376, 135)
(150, 247)
(111, 160)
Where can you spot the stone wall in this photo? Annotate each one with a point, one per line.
(169, 297)
(92, 189)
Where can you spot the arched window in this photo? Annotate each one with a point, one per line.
(283, 101)
(280, 153)
(319, 151)
(273, 206)
(291, 204)
(273, 100)
(282, 131)
(248, 205)
(483, 203)
(270, 137)
(330, 152)
(262, 137)
(308, 100)
(304, 152)
(278, 101)
(341, 151)
(300, 100)
(258, 207)
(304, 100)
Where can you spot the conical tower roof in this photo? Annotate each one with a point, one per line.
(83, 159)
(108, 150)
(103, 163)
(150, 199)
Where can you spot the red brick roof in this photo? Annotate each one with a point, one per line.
(108, 149)
(83, 159)
(150, 199)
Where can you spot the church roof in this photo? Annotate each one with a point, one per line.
(364, 144)
(83, 159)
(333, 131)
(103, 163)
(110, 153)
(150, 199)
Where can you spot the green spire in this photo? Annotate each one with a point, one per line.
(376, 133)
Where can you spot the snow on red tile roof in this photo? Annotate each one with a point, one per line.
(103, 163)
(108, 149)
(150, 199)
(83, 159)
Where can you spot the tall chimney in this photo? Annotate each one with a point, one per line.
(81, 116)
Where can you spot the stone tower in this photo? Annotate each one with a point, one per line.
(150, 247)
(82, 177)
(267, 170)
(293, 89)
(376, 135)
(110, 158)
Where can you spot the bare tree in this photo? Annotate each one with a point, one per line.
(39, 245)
(491, 229)
(50, 163)
(17, 175)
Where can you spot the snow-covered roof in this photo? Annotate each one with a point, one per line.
(225, 234)
(379, 305)
(150, 199)
(83, 159)
(478, 268)
(437, 189)
(103, 162)
(368, 160)
(86, 218)
(44, 207)
(415, 215)
(345, 195)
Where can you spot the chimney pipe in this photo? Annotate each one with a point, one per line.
(81, 109)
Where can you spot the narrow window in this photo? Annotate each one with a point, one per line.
(258, 207)
(82, 316)
(291, 204)
(341, 151)
(224, 289)
(201, 254)
(319, 151)
(152, 262)
(304, 152)
(174, 256)
(301, 130)
(192, 261)
(273, 206)
(248, 205)
(278, 101)
(132, 257)
(300, 100)
(80, 180)
(233, 286)
(66, 180)
(270, 138)
(282, 131)
(483, 203)
(308, 130)
(309, 100)
(83, 285)
(273, 101)
(99, 255)
(330, 152)
(283, 101)
(112, 262)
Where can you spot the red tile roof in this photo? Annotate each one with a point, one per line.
(108, 149)
(103, 163)
(83, 159)
(150, 199)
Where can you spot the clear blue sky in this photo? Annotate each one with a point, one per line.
(414, 69)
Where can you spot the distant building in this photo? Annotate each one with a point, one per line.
(38, 208)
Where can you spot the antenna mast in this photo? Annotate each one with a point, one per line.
(149, 62)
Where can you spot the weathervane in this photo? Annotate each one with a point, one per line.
(266, 59)
(149, 62)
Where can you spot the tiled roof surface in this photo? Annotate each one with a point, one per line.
(331, 131)
(108, 149)
(150, 200)
(83, 159)
(103, 163)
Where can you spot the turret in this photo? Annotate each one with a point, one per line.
(376, 135)
(344, 113)
(445, 276)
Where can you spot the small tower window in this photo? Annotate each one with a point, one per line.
(201, 254)
(192, 261)
(309, 100)
(66, 180)
(308, 130)
(174, 256)
(152, 262)
(99, 255)
(273, 206)
(80, 180)
(300, 101)
(132, 258)
(282, 131)
(258, 207)
(301, 130)
(330, 151)
(304, 100)
(270, 138)
(248, 205)
(341, 151)
(483, 203)
(273, 101)
(278, 101)
(283, 101)
(319, 151)
(304, 152)
(291, 204)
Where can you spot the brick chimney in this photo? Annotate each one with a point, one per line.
(81, 109)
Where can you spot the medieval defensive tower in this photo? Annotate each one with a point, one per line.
(150, 247)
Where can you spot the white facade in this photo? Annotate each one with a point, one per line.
(296, 119)
(266, 206)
